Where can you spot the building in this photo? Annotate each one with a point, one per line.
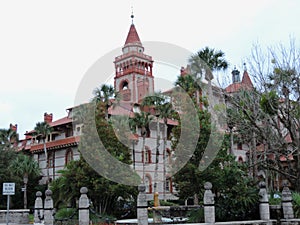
(61, 145)
(133, 80)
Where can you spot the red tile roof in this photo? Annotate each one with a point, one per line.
(61, 121)
(132, 37)
(70, 141)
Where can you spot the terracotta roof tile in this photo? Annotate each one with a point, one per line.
(70, 141)
(132, 37)
(246, 81)
(61, 121)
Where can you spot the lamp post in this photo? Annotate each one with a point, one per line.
(25, 180)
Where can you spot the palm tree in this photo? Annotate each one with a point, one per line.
(142, 120)
(208, 60)
(165, 111)
(42, 130)
(104, 95)
(25, 166)
(7, 138)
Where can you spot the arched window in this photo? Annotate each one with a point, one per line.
(240, 159)
(148, 183)
(124, 85)
(69, 156)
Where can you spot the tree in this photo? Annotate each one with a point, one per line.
(163, 109)
(94, 169)
(105, 195)
(274, 113)
(8, 138)
(142, 120)
(42, 130)
(24, 166)
(104, 95)
(206, 61)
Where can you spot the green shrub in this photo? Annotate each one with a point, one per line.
(275, 201)
(196, 216)
(66, 213)
(296, 204)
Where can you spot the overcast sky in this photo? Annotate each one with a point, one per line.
(46, 47)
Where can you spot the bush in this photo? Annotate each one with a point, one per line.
(65, 213)
(275, 199)
(296, 204)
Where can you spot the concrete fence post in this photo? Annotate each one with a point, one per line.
(48, 208)
(264, 208)
(209, 204)
(142, 206)
(286, 202)
(38, 208)
(84, 212)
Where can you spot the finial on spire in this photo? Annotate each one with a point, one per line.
(245, 67)
(132, 16)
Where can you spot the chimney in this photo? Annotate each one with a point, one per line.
(13, 127)
(185, 71)
(48, 117)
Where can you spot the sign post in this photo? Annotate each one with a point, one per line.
(8, 189)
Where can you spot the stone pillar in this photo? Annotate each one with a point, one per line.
(209, 204)
(84, 212)
(142, 206)
(264, 208)
(156, 214)
(38, 208)
(286, 202)
(48, 208)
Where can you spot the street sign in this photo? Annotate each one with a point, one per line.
(8, 188)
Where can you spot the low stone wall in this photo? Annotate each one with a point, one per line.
(19, 216)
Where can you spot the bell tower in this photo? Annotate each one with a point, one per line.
(133, 70)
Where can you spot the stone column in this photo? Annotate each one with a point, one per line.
(84, 212)
(209, 204)
(264, 208)
(142, 206)
(156, 215)
(38, 208)
(48, 208)
(286, 202)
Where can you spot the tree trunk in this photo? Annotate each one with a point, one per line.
(156, 157)
(164, 160)
(47, 164)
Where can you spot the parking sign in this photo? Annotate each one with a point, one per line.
(8, 188)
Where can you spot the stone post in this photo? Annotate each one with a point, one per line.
(286, 202)
(84, 212)
(264, 208)
(209, 204)
(38, 208)
(48, 208)
(142, 206)
(156, 215)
